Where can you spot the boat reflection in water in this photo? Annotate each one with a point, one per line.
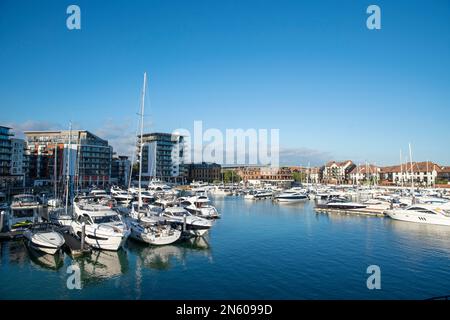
(45, 260)
(418, 234)
(14, 251)
(161, 257)
(102, 265)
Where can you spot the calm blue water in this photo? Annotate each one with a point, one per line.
(258, 250)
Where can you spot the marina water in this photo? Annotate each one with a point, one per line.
(258, 250)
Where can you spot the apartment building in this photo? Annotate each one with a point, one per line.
(338, 172)
(163, 157)
(54, 152)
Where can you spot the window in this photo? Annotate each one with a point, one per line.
(84, 218)
(421, 210)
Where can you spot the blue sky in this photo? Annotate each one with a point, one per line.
(310, 68)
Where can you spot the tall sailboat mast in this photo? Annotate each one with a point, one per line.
(401, 169)
(68, 166)
(55, 172)
(141, 143)
(412, 173)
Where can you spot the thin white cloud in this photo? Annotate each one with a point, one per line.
(32, 125)
(121, 136)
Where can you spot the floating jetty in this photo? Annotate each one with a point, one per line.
(74, 246)
(362, 211)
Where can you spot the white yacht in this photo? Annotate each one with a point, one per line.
(344, 205)
(157, 188)
(104, 227)
(24, 212)
(179, 216)
(152, 232)
(221, 191)
(422, 213)
(121, 196)
(98, 193)
(291, 195)
(259, 194)
(200, 206)
(43, 237)
(150, 228)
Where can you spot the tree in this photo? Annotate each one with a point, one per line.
(230, 176)
(299, 176)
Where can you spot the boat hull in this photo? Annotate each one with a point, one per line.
(291, 199)
(418, 218)
(100, 240)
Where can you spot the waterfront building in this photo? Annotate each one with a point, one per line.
(163, 157)
(443, 175)
(315, 174)
(120, 170)
(422, 173)
(12, 160)
(19, 159)
(5, 150)
(308, 174)
(258, 175)
(206, 172)
(365, 173)
(90, 157)
(338, 172)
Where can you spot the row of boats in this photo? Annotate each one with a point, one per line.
(427, 206)
(161, 218)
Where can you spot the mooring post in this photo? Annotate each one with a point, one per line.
(83, 234)
(184, 222)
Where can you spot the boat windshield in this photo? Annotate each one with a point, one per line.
(106, 219)
(25, 199)
(178, 213)
(23, 213)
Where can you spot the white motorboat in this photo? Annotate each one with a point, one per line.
(259, 194)
(149, 228)
(152, 232)
(121, 196)
(180, 217)
(423, 213)
(60, 216)
(291, 196)
(158, 188)
(221, 191)
(345, 205)
(43, 237)
(98, 193)
(104, 227)
(24, 212)
(200, 206)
